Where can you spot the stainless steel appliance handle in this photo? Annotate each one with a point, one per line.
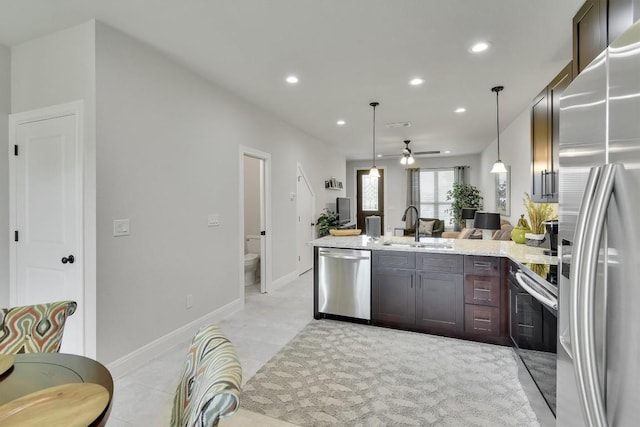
(535, 291)
(341, 256)
(589, 384)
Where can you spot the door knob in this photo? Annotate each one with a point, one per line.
(70, 259)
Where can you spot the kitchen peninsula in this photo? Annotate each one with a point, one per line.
(451, 287)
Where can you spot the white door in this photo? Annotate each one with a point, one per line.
(46, 177)
(305, 231)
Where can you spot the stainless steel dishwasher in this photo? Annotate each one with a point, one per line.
(344, 282)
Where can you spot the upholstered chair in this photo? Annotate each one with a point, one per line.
(209, 388)
(34, 328)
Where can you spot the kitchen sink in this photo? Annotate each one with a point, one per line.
(429, 245)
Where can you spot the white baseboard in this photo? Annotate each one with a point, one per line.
(284, 280)
(144, 354)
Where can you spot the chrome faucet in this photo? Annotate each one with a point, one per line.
(417, 225)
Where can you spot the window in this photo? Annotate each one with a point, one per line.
(369, 193)
(434, 184)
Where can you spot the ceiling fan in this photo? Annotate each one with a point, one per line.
(407, 156)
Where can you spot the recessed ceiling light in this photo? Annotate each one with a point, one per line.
(379, 155)
(447, 152)
(460, 110)
(479, 47)
(417, 81)
(340, 122)
(292, 79)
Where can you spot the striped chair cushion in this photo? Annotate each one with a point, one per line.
(210, 383)
(34, 328)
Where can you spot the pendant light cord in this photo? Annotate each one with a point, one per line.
(497, 90)
(374, 105)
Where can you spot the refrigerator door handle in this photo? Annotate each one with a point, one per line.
(584, 344)
(570, 308)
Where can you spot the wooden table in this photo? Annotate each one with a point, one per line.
(37, 371)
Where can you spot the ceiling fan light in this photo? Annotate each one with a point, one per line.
(403, 160)
(411, 160)
(498, 167)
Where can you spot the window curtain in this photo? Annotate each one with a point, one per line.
(413, 195)
(461, 175)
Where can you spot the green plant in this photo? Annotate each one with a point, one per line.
(538, 214)
(326, 220)
(463, 196)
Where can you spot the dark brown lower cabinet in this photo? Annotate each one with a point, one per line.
(440, 301)
(445, 294)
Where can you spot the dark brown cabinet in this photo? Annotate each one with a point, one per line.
(485, 296)
(446, 294)
(426, 293)
(440, 302)
(545, 126)
(597, 24)
(589, 33)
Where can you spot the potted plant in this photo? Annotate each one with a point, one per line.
(463, 196)
(325, 221)
(538, 213)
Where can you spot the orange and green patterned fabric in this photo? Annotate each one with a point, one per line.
(210, 385)
(34, 328)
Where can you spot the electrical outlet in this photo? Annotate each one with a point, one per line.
(120, 227)
(189, 301)
(213, 220)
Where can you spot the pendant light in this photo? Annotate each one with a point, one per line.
(373, 172)
(498, 166)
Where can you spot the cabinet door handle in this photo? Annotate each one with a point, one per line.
(543, 183)
(482, 264)
(411, 282)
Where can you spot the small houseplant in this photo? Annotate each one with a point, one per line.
(538, 213)
(463, 196)
(325, 221)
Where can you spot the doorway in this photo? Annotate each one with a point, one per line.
(47, 256)
(370, 197)
(255, 225)
(305, 206)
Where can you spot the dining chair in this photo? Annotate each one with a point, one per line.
(209, 388)
(34, 328)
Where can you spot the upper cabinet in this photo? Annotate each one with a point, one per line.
(589, 33)
(597, 24)
(545, 125)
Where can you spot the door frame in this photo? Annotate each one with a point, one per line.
(307, 182)
(85, 229)
(265, 244)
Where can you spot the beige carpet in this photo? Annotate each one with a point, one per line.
(342, 374)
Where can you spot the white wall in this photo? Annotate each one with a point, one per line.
(396, 181)
(168, 147)
(515, 151)
(251, 195)
(56, 69)
(5, 107)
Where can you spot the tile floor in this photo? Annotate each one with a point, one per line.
(267, 323)
(145, 397)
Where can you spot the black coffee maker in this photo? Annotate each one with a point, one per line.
(551, 238)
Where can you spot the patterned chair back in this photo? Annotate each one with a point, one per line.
(210, 385)
(34, 328)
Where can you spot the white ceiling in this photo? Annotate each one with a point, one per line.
(346, 53)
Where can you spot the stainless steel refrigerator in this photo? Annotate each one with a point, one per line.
(598, 382)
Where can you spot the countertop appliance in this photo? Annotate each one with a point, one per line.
(599, 203)
(344, 282)
(533, 323)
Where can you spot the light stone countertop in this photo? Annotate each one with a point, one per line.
(522, 254)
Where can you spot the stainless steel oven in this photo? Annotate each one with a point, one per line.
(533, 323)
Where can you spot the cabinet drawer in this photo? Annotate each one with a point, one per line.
(439, 263)
(482, 290)
(482, 265)
(394, 259)
(481, 319)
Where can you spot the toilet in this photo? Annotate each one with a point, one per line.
(252, 260)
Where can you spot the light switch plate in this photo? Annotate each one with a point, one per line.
(213, 220)
(120, 227)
